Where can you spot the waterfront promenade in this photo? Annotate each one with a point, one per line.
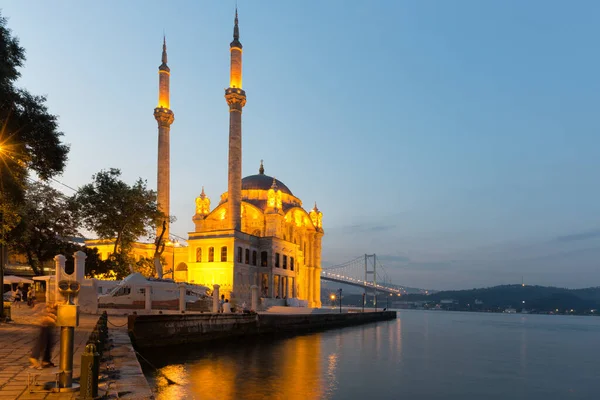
(18, 337)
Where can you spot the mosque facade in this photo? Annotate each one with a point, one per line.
(258, 233)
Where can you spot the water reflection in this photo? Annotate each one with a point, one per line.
(255, 369)
(423, 355)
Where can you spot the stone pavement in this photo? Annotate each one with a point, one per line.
(17, 339)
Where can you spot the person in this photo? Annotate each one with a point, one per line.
(30, 296)
(221, 303)
(18, 297)
(45, 340)
(227, 307)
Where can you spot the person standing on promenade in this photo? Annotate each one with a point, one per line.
(221, 303)
(18, 297)
(30, 296)
(45, 340)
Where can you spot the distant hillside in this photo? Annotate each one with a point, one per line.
(540, 298)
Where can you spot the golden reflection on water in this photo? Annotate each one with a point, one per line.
(285, 369)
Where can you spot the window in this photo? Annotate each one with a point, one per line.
(276, 260)
(124, 291)
(264, 259)
(199, 254)
(254, 257)
(291, 263)
(239, 254)
(284, 262)
(223, 253)
(211, 254)
(247, 256)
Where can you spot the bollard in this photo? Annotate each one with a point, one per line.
(90, 369)
(216, 307)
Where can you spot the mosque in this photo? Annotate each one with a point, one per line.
(258, 233)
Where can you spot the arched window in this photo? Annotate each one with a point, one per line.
(247, 258)
(239, 254)
(199, 254)
(223, 253)
(291, 263)
(211, 254)
(254, 257)
(264, 257)
(276, 260)
(284, 262)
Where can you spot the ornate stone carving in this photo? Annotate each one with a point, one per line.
(236, 99)
(164, 116)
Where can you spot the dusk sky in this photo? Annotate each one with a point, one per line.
(457, 140)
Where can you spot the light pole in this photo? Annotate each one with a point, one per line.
(363, 302)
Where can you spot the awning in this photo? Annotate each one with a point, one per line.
(11, 279)
(43, 278)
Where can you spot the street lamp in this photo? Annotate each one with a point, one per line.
(363, 304)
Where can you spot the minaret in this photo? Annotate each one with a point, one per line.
(165, 117)
(236, 99)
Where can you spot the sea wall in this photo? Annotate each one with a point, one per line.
(175, 329)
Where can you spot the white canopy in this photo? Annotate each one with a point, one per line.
(10, 279)
(43, 278)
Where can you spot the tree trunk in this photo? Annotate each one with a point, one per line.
(33, 263)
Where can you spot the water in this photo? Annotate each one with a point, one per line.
(420, 355)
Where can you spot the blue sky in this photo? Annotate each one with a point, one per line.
(457, 140)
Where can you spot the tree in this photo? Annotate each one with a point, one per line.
(29, 136)
(116, 211)
(47, 223)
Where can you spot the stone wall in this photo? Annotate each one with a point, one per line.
(167, 330)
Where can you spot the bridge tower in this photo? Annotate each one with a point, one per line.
(373, 273)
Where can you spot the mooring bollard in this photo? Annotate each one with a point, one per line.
(90, 369)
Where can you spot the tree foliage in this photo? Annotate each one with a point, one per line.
(29, 135)
(47, 223)
(117, 211)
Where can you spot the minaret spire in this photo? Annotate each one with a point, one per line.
(164, 117)
(164, 53)
(236, 99)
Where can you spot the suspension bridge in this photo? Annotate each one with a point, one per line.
(365, 272)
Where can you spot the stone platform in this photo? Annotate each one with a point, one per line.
(17, 339)
(176, 329)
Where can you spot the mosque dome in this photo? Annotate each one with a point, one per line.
(263, 182)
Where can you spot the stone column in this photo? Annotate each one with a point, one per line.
(165, 118)
(271, 290)
(182, 297)
(79, 271)
(311, 290)
(59, 268)
(317, 286)
(216, 298)
(254, 289)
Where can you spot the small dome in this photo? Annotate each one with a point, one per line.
(263, 182)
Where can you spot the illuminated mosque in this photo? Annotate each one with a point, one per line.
(258, 233)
